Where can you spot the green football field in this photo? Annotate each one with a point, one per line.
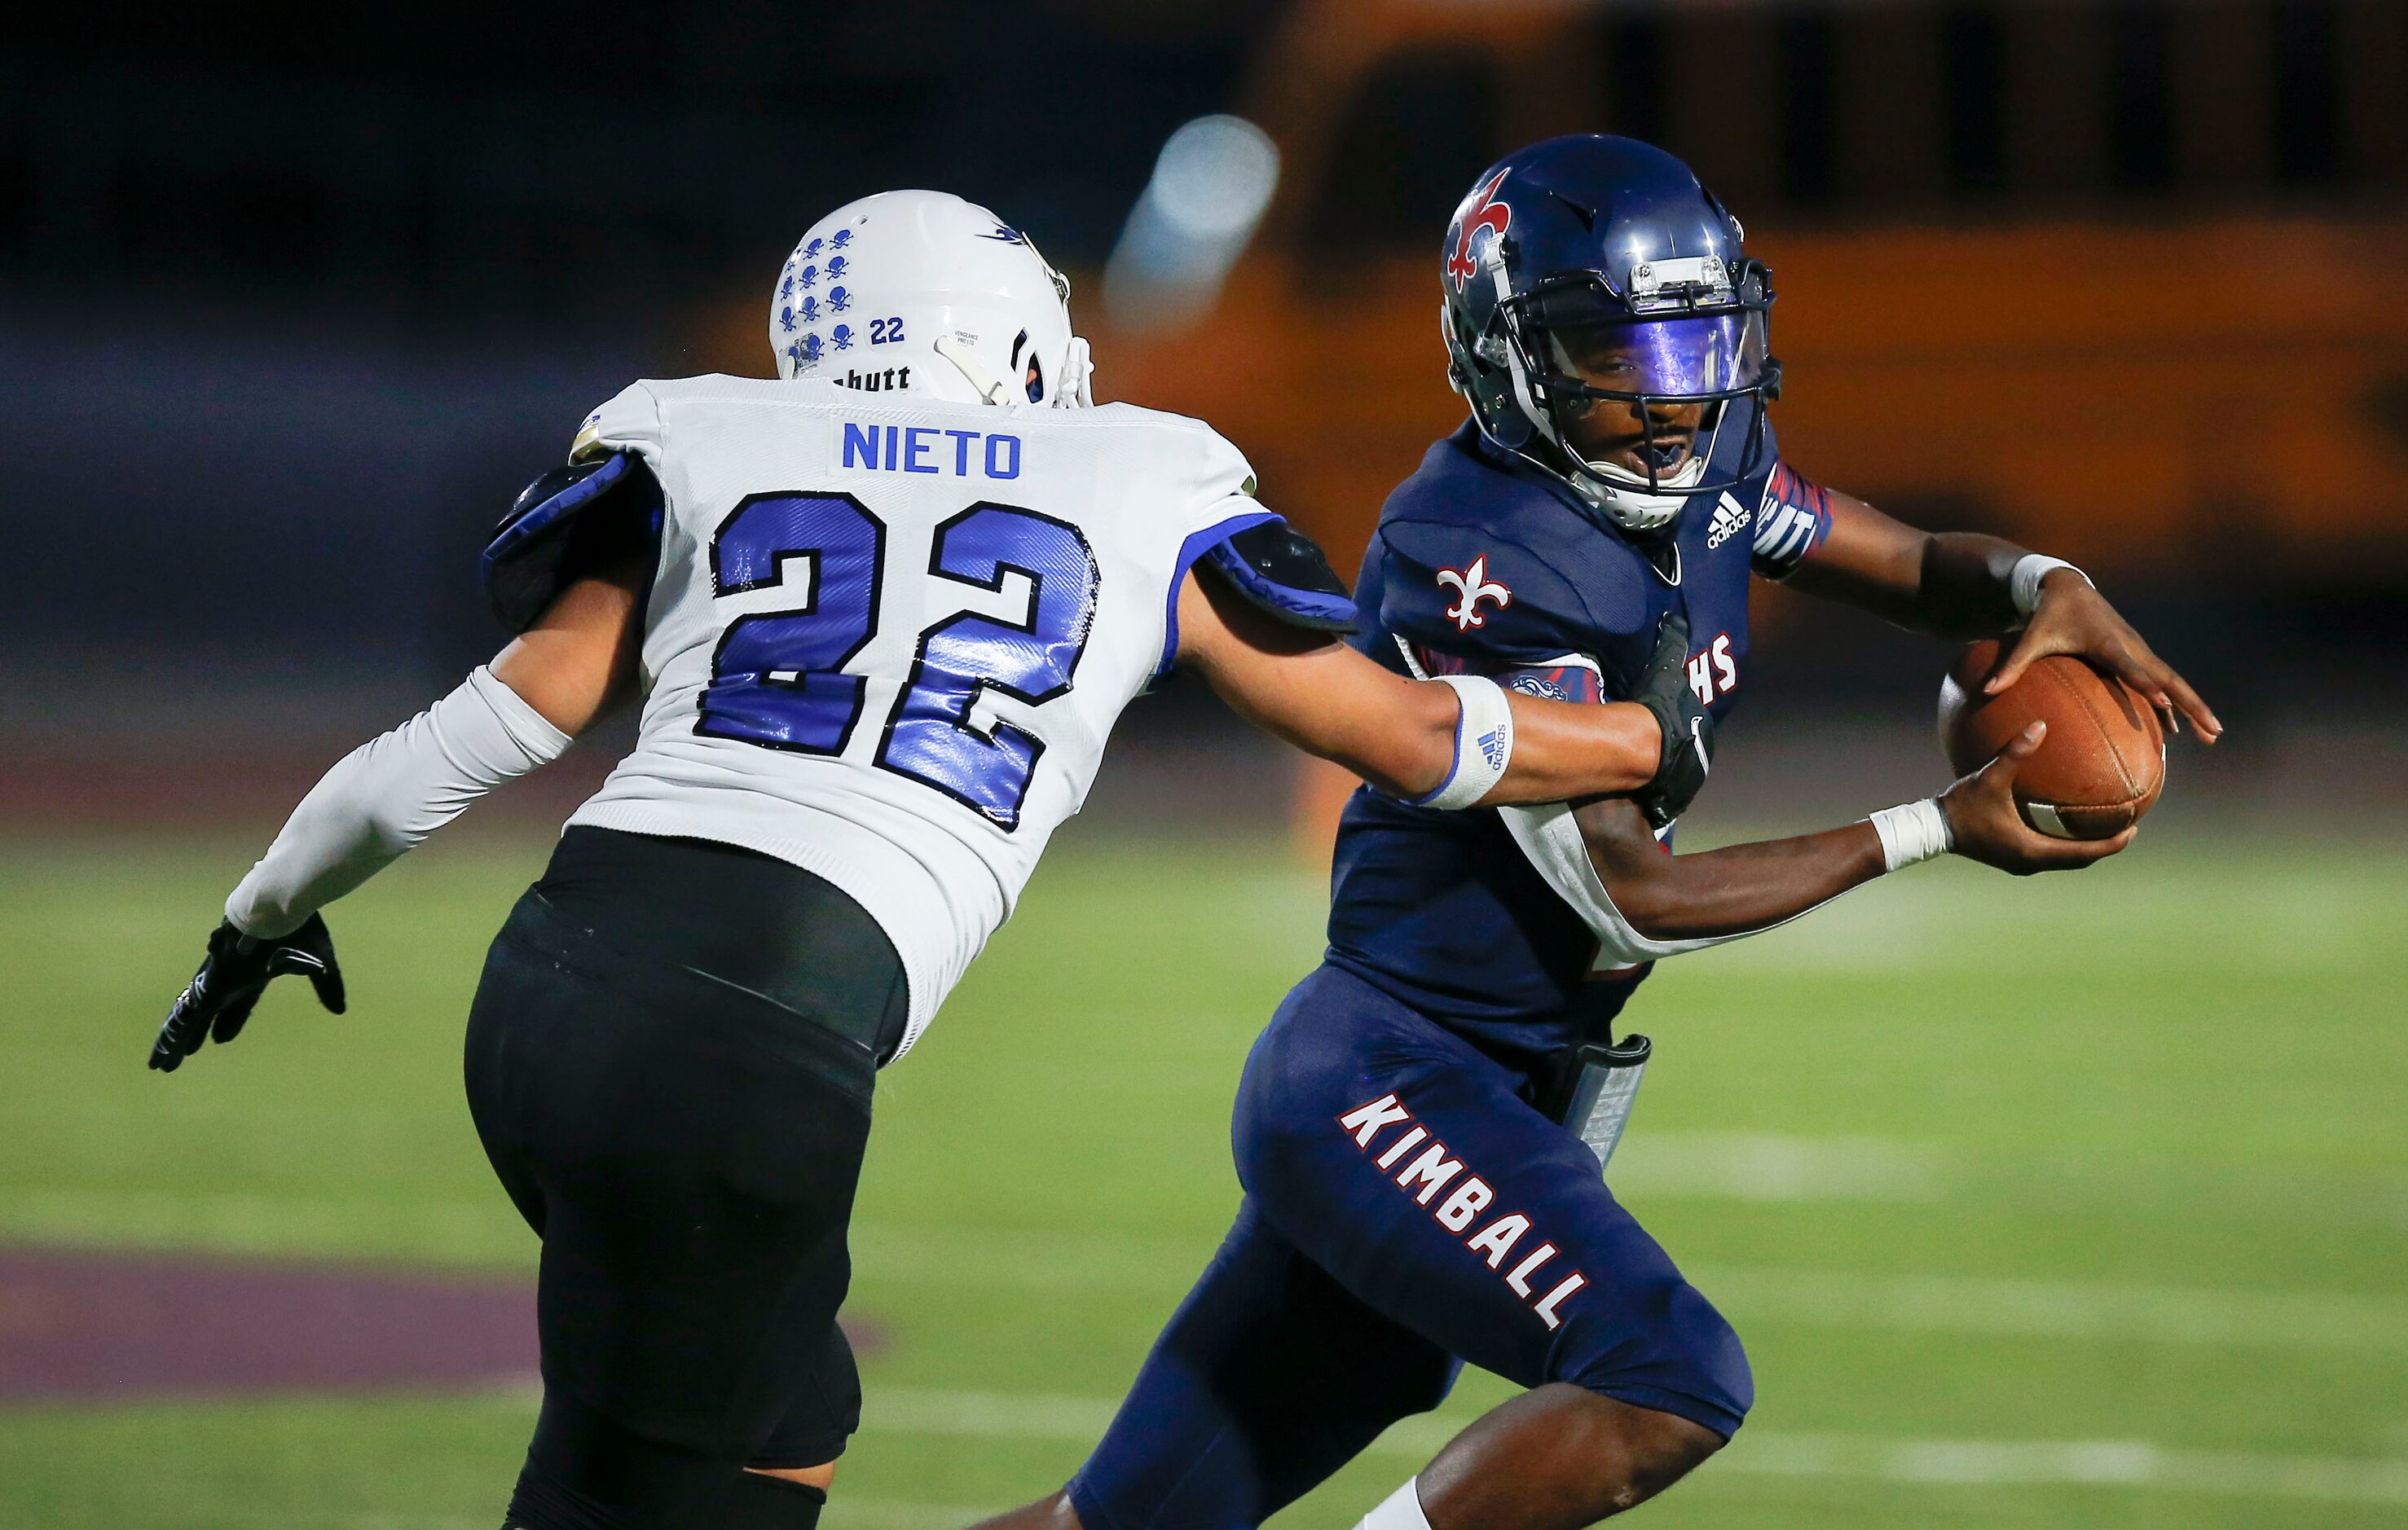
(2068, 1203)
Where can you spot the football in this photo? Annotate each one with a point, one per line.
(2102, 763)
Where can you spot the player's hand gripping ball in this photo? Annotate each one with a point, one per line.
(2100, 766)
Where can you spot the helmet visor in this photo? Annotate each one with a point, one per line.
(1702, 356)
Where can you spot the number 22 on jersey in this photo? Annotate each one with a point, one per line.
(777, 679)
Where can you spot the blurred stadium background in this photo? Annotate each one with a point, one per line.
(2081, 1203)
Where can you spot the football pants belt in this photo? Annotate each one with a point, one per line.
(1595, 1086)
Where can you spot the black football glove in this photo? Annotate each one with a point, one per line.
(237, 969)
(1688, 730)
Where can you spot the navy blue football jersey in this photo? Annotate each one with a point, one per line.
(1484, 564)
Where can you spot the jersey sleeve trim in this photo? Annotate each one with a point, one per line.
(562, 523)
(1189, 551)
(630, 420)
(558, 493)
(1284, 573)
(1563, 676)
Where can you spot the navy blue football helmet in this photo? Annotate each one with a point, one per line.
(1560, 241)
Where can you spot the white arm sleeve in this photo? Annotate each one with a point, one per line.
(1550, 838)
(389, 793)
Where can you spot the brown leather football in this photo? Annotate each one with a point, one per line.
(2102, 763)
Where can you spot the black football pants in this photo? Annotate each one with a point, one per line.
(670, 1061)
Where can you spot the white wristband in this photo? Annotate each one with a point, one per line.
(2023, 584)
(1910, 834)
(1483, 742)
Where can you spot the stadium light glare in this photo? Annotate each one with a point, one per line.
(1211, 185)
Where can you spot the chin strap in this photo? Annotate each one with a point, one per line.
(1073, 388)
(1633, 506)
(1602, 498)
(988, 387)
(1078, 390)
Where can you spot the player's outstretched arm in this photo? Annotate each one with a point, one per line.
(387, 796)
(1402, 735)
(1963, 584)
(1673, 902)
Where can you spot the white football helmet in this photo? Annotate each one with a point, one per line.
(922, 293)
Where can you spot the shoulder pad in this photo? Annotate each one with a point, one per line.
(560, 524)
(1283, 571)
(1467, 589)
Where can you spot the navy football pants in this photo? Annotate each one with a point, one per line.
(1405, 1212)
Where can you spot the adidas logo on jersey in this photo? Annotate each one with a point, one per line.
(1731, 519)
(893, 380)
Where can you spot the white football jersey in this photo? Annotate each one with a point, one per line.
(888, 636)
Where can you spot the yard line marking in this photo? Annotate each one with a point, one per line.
(2094, 1462)
(1058, 1261)
(1021, 1259)
(866, 1513)
(248, 1515)
(516, 1391)
(1768, 1167)
(1653, 1165)
(1062, 1261)
(984, 1415)
(2105, 1463)
(484, 1231)
(902, 1514)
(2283, 1320)
(2340, 1321)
